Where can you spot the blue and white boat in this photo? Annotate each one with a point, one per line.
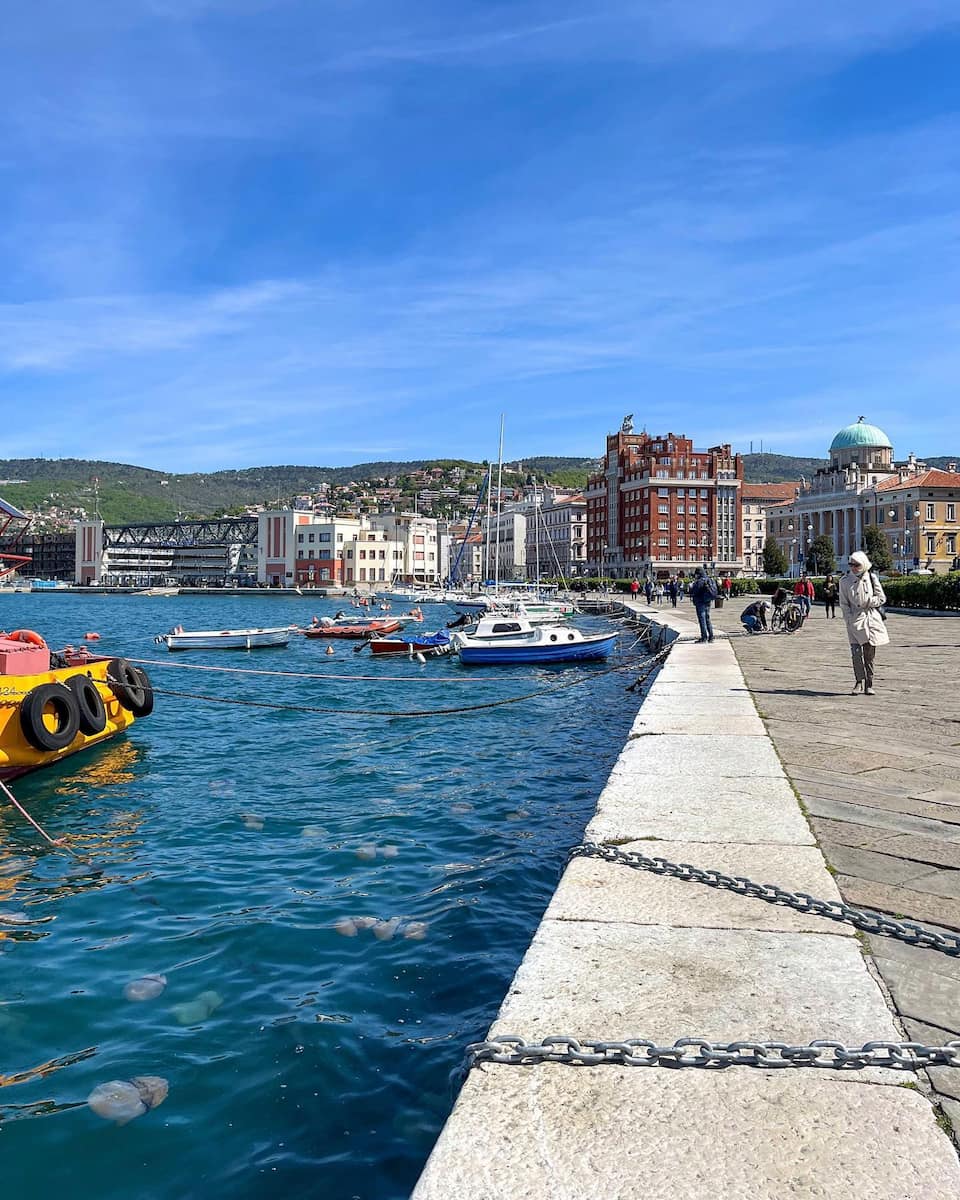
(508, 639)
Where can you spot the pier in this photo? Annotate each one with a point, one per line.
(732, 742)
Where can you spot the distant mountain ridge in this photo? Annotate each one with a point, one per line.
(129, 493)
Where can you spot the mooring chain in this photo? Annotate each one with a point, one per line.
(699, 1052)
(833, 910)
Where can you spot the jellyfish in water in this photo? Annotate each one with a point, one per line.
(389, 851)
(194, 1012)
(384, 930)
(346, 927)
(416, 931)
(147, 987)
(121, 1100)
(366, 852)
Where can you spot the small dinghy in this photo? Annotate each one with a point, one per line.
(224, 639)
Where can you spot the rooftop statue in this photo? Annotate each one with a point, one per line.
(627, 426)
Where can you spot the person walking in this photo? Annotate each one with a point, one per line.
(672, 591)
(861, 601)
(648, 590)
(800, 591)
(830, 593)
(658, 593)
(727, 585)
(703, 592)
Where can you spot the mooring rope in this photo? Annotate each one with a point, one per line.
(650, 664)
(57, 843)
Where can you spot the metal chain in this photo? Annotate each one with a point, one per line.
(833, 910)
(697, 1052)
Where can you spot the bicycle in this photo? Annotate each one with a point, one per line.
(787, 617)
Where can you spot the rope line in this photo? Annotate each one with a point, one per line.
(57, 843)
(426, 712)
(162, 662)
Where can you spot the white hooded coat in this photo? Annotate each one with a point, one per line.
(861, 597)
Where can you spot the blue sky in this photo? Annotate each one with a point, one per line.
(249, 232)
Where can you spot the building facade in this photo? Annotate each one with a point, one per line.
(913, 507)
(756, 499)
(557, 538)
(659, 507)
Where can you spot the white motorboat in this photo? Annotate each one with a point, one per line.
(225, 639)
(498, 639)
(158, 591)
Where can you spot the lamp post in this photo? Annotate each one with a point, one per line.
(809, 544)
(793, 544)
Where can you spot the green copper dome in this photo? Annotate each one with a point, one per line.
(860, 434)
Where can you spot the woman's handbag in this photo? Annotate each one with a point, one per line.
(873, 583)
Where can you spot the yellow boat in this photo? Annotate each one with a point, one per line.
(54, 705)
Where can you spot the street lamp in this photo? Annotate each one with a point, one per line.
(793, 543)
(809, 544)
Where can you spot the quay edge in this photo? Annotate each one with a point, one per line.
(622, 953)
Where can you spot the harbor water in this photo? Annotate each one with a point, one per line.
(229, 848)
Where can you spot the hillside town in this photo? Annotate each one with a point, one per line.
(655, 508)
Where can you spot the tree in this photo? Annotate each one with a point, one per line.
(876, 547)
(820, 557)
(774, 559)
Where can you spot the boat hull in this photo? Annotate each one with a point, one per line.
(226, 639)
(355, 632)
(17, 755)
(399, 646)
(587, 650)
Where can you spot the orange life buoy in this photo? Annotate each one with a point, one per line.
(26, 635)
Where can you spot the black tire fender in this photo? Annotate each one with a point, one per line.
(90, 706)
(126, 684)
(143, 679)
(59, 699)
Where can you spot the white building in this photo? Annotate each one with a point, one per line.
(504, 547)
(556, 537)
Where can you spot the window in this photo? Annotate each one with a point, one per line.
(299, 537)
(880, 517)
(663, 492)
(931, 543)
(663, 508)
(325, 537)
(931, 512)
(951, 512)
(663, 525)
(951, 543)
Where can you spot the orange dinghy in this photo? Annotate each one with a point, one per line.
(366, 629)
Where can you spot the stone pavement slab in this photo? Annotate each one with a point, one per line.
(704, 755)
(553, 1133)
(595, 979)
(762, 809)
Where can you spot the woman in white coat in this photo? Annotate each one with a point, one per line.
(861, 598)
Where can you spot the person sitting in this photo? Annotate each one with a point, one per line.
(754, 616)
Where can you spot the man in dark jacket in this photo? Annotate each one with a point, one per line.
(703, 592)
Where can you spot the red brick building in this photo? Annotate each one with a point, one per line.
(659, 507)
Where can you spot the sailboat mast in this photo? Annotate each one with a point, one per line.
(486, 540)
(496, 573)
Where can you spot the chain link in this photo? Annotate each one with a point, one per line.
(698, 1052)
(833, 910)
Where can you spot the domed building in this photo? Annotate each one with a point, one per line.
(914, 508)
(861, 444)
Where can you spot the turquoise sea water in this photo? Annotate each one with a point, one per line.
(222, 843)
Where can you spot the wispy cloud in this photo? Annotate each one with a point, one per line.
(287, 236)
